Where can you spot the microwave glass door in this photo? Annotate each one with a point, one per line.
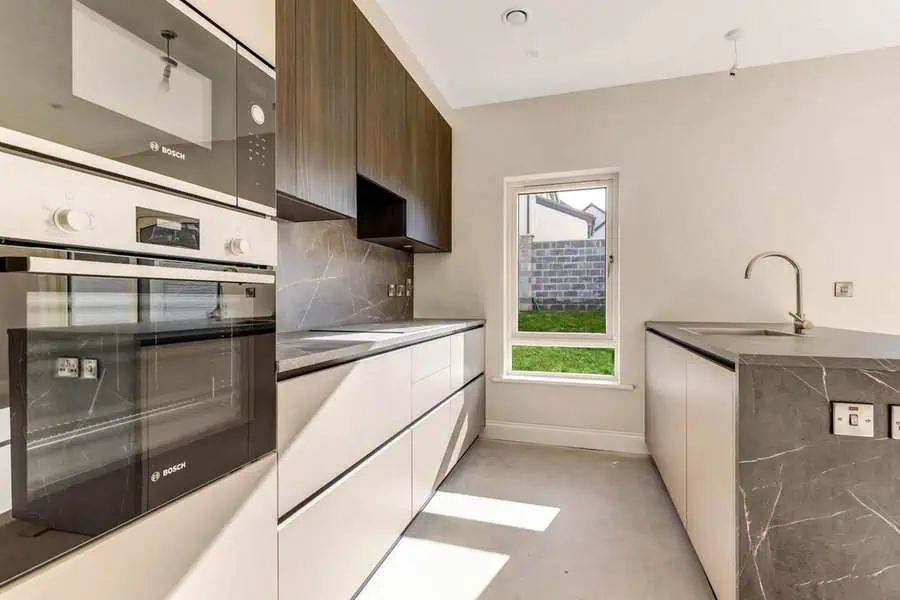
(148, 87)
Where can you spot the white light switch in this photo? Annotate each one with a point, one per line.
(857, 420)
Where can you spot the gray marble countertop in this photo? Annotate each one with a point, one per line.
(818, 342)
(306, 351)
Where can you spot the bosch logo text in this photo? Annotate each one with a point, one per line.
(156, 147)
(168, 471)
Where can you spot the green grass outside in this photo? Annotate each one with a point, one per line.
(575, 321)
(597, 361)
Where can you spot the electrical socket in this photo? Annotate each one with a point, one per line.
(843, 289)
(895, 422)
(90, 368)
(67, 368)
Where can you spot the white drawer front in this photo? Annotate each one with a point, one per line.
(429, 392)
(430, 357)
(457, 360)
(473, 361)
(328, 548)
(467, 416)
(331, 419)
(431, 453)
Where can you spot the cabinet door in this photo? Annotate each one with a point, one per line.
(431, 452)
(316, 100)
(218, 542)
(331, 419)
(711, 483)
(422, 223)
(382, 144)
(467, 417)
(444, 179)
(328, 549)
(666, 419)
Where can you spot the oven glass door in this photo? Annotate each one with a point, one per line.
(145, 89)
(126, 393)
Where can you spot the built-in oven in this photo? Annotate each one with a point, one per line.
(137, 353)
(149, 91)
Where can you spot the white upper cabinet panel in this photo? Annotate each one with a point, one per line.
(250, 21)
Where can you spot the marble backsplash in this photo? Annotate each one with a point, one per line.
(818, 514)
(326, 277)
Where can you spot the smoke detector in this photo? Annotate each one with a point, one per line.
(515, 16)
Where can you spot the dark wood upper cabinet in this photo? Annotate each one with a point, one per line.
(444, 184)
(419, 219)
(355, 136)
(381, 112)
(316, 109)
(422, 196)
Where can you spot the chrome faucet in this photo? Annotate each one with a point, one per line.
(801, 324)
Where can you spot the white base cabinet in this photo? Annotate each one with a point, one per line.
(666, 416)
(691, 432)
(336, 528)
(431, 451)
(467, 417)
(328, 548)
(331, 419)
(711, 478)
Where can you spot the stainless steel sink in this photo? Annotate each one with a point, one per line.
(738, 331)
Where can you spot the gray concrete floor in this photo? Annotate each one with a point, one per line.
(516, 521)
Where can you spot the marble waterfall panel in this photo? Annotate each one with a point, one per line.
(818, 514)
(327, 277)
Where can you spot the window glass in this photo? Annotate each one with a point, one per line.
(562, 261)
(555, 359)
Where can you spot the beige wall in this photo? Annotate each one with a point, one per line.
(803, 157)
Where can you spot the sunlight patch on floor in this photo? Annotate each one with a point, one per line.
(491, 510)
(421, 569)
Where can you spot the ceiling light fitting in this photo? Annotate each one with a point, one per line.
(734, 36)
(515, 16)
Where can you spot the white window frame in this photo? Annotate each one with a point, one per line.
(559, 182)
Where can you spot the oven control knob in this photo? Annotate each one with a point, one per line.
(71, 220)
(258, 114)
(239, 246)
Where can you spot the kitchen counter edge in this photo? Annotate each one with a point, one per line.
(827, 348)
(290, 367)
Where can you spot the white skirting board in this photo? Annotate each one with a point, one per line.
(572, 437)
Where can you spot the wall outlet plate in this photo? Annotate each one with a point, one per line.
(90, 368)
(67, 368)
(857, 420)
(843, 289)
(895, 422)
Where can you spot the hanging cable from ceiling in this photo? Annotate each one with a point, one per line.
(734, 36)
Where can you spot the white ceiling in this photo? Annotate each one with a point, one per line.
(584, 44)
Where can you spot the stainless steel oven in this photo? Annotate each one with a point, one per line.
(148, 90)
(137, 352)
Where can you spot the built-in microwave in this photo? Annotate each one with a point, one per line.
(149, 91)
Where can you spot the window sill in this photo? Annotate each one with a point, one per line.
(606, 384)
